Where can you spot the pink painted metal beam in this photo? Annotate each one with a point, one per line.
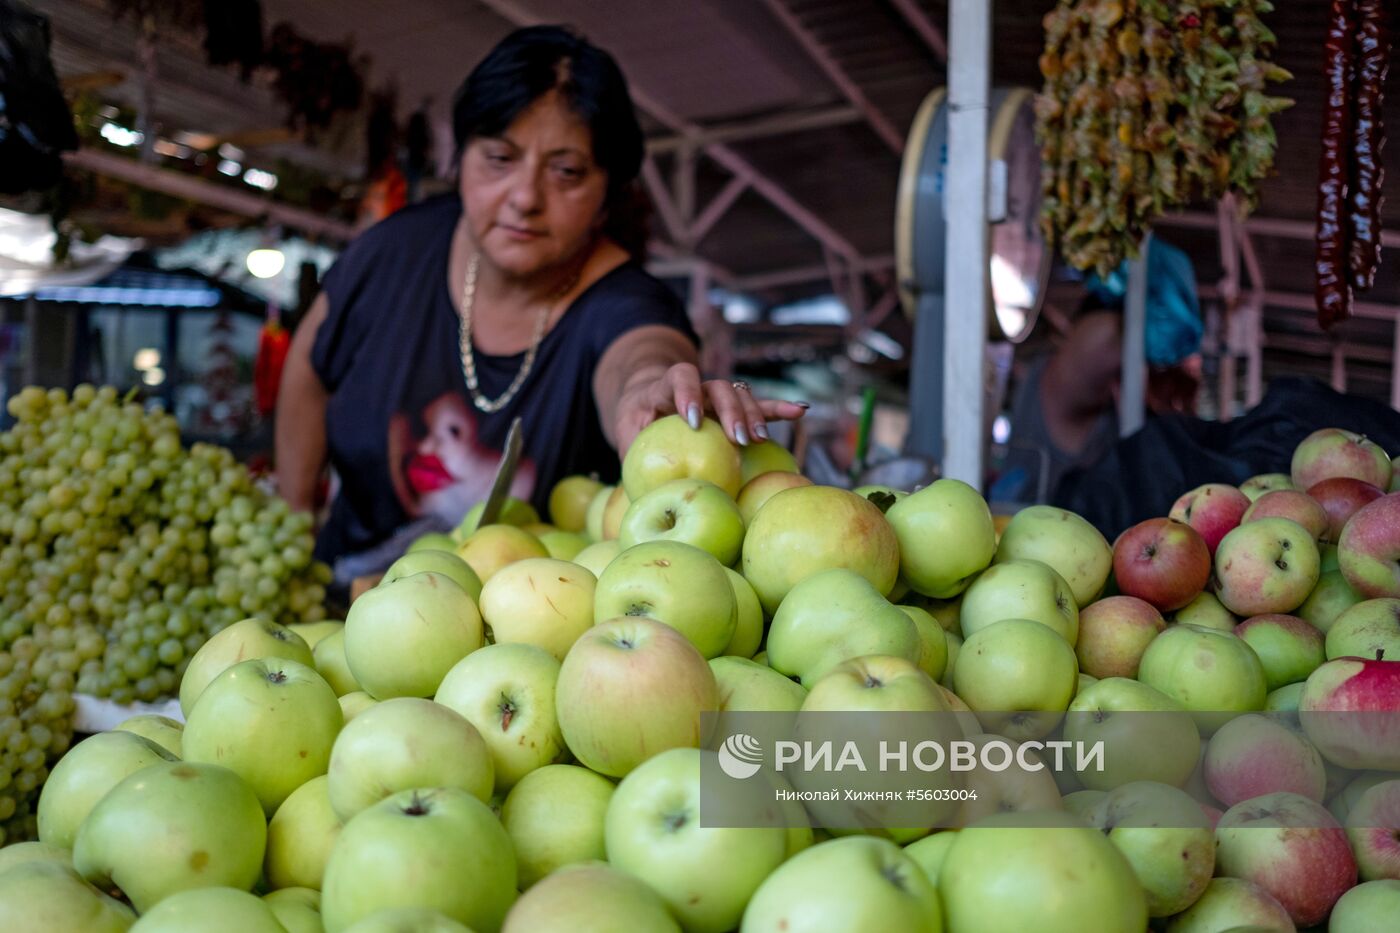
(919, 21)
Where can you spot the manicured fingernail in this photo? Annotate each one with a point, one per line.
(803, 405)
(761, 431)
(741, 435)
(692, 415)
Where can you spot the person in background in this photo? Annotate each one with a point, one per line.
(1065, 411)
(522, 294)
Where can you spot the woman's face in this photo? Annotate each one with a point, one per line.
(534, 196)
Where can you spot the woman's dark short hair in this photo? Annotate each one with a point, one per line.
(531, 62)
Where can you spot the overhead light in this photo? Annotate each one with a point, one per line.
(230, 151)
(120, 135)
(266, 263)
(260, 179)
(231, 168)
(146, 358)
(153, 376)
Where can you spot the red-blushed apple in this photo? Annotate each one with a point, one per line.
(1293, 505)
(1366, 908)
(1369, 549)
(1256, 486)
(1373, 826)
(629, 689)
(1213, 510)
(1037, 849)
(927, 521)
(1330, 452)
(1266, 566)
(668, 449)
(1206, 611)
(1341, 497)
(763, 487)
(1331, 597)
(1021, 589)
(1113, 634)
(590, 898)
(1232, 904)
(1370, 629)
(1289, 648)
(1254, 755)
(1164, 562)
(1211, 673)
(1072, 547)
(806, 530)
(1292, 848)
(1351, 711)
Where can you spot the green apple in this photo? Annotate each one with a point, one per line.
(313, 632)
(271, 721)
(674, 583)
(1165, 837)
(407, 920)
(446, 563)
(1285, 699)
(241, 641)
(668, 449)
(166, 732)
(84, 775)
(831, 617)
(1211, 673)
(1370, 629)
(705, 874)
(1288, 648)
(691, 511)
(1012, 789)
(593, 518)
(857, 884)
(590, 898)
(945, 537)
(300, 837)
(418, 848)
(18, 853)
(762, 487)
(403, 743)
(297, 909)
(401, 638)
(933, 659)
(1230, 904)
(554, 817)
(629, 689)
(354, 703)
(930, 851)
(1267, 565)
(507, 692)
(492, 547)
(1146, 735)
(1021, 589)
(1113, 634)
(48, 897)
(1207, 612)
(515, 512)
(539, 601)
(746, 685)
(1072, 547)
(1082, 802)
(613, 512)
(329, 658)
(1331, 597)
(1366, 908)
(1064, 874)
(955, 643)
(569, 501)
(596, 557)
(806, 530)
(748, 618)
(1013, 669)
(210, 910)
(1345, 800)
(1256, 486)
(194, 825)
(765, 457)
(876, 683)
(563, 545)
(432, 541)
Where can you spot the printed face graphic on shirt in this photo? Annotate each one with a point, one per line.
(437, 464)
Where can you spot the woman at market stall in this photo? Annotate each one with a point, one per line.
(521, 294)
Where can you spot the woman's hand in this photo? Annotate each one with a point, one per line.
(657, 391)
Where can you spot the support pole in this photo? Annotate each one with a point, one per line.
(1132, 398)
(965, 260)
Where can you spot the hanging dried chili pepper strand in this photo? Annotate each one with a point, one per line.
(1333, 287)
(1368, 171)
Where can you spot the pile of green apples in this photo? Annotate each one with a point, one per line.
(506, 732)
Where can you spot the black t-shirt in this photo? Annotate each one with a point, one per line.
(403, 435)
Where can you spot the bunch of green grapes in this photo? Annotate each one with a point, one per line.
(118, 538)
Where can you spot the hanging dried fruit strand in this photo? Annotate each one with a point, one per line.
(1333, 286)
(1368, 172)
